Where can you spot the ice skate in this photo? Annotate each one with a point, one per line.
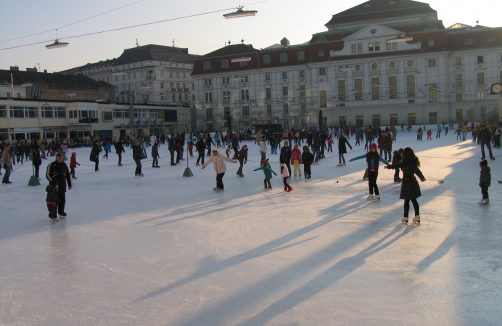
(241, 175)
(376, 198)
(215, 188)
(73, 177)
(289, 189)
(264, 189)
(416, 219)
(53, 220)
(483, 201)
(404, 219)
(370, 197)
(219, 190)
(492, 158)
(137, 176)
(62, 215)
(340, 164)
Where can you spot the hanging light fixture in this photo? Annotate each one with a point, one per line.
(56, 43)
(400, 38)
(240, 13)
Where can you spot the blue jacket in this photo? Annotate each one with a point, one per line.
(372, 163)
(267, 170)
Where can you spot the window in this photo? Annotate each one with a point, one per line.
(433, 118)
(377, 46)
(303, 108)
(341, 90)
(208, 97)
(53, 112)
(78, 97)
(409, 63)
(370, 47)
(243, 63)
(245, 111)
(359, 120)
(410, 86)
(393, 119)
(392, 87)
(225, 80)
(459, 97)
(284, 75)
(284, 57)
(268, 93)
(269, 110)
(300, 55)
(391, 46)
(226, 96)
(411, 118)
(267, 76)
(375, 89)
(226, 112)
(322, 71)
(321, 53)
(266, 59)
(481, 78)
(458, 80)
(285, 108)
(61, 96)
(245, 94)
(207, 82)
(481, 95)
(207, 65)
(358, 88)
(224, 63)
(323, 99)
(302, 90)
(376, 119)
(51, 96)
(431, 62)
(23, 112)
(433, 93)
(244, 79)
(458, 61)
(120, 113)
(480, 59)
(392, 65)
(353, 48)
(94, 97)
(86, 97)
(3, 111)
(209, 113)
(431, 42)
(301, 73)
(285, 91)
(468, 41)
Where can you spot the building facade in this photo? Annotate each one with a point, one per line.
(382, 62)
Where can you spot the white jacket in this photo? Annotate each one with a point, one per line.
(263, 146)
(219, 162)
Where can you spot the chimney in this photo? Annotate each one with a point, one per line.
(45, 71)
(34, 69)
(14, 68)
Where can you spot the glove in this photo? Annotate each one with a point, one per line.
(78, 164)
(422, 180)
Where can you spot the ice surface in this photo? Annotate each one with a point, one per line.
(167, 250)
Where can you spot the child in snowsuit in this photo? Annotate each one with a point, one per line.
(52, 200)
(307, 160)
(285, 176)
(268, 174)
(372, 160)
(73, 164)
(485, 179)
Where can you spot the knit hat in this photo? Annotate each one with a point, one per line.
(375, 146)
(483, 163)
(214, 150)
(59, 154)
(73, 153)
(53, 183)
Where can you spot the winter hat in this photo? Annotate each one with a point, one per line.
(265, 161)
(214, 150)
(59, 154)
(373, 146)
(245, 147)
(53, 183)
(483, 163)
(73, 154)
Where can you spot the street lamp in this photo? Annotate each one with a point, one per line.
(240, 13)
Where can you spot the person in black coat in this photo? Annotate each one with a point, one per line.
(155, 155)
(485, 137)
(286, 155)
(37, 161)
(58, 170)
(137, 156)
(94, 157)
(410, 189)
(200, 146)
(395, 160)
(307, 160)
(342, 149)
(119, 149)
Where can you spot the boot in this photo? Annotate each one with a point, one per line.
(416, 219)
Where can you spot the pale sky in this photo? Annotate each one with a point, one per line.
(295, 20)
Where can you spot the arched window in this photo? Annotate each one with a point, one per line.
(431, 42)
(284, 57)
(300, 55)
(321, 39)
(266, 59)
(207, 65)
(321, 53)
(224, 63)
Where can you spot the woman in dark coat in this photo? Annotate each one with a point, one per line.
(37, 161)
(410, 189)
(94, 157)
(342, 149)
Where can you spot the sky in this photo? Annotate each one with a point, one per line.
(297, 21)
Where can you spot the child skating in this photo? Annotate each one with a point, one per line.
(73, 164)
(485, 179)
(285, 176)
(267, 170)
(296, 160)
(307, 160)
(372, 161)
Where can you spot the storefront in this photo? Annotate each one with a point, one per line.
(77, 132)
(4, 134)
(119, 132)
(55, 132)
(29, 133)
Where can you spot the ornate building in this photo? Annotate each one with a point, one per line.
(379, 63)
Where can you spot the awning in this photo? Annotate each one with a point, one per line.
(80, 128)
(31, 129)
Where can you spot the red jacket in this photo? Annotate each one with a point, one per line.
(296, 155)
(73, 161)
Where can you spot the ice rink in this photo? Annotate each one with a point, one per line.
(168, 250)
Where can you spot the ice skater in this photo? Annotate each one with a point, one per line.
(52, 201)
(73, 164)
(296, 160)
(242, 156)
(372, 160)
(485, 179)
(342, 149)
(307, 160)
(267, 170)
(219, 166)
(285, 175)
(410, 189)
(155, 155)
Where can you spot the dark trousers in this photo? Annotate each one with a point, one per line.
(407, 206)
(172, 157)
(37, 167)
(482, 144)
(396, 175)
(96, 164)
(219, 180)
(372, 179)
(72, 172)
(267, 183)
(138, 166)
(306, 168)
(241, 162)
(289, 166)
(285, 181)
(201, 156)
(53, 210)
(484, 192)
(155, 162)
(6, 175)
(62, 201)
(120, 158)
